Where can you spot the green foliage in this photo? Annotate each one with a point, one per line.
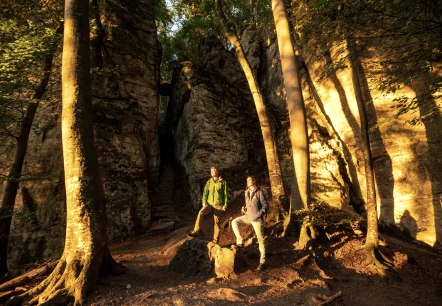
(321, 215)
(185, 27)
(26, 31)
(182, 25)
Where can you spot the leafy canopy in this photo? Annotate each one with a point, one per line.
(27, 29)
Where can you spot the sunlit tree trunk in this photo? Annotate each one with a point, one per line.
(295, 106)
(372, 217)
(15, 170)
(268, 134)
(85, 249)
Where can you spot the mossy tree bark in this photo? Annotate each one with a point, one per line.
(85, 251)
(268, 133)
(15, 170)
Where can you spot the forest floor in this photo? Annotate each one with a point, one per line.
(337, 273)
(340, 276)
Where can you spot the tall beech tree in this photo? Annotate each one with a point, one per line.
(268, 133)
(295, 107)
(85, 251)
(372, 238)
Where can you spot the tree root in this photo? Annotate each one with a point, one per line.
(306, 259)
(66, 284)
(289, 226)
(25, 278)
(326, 300)
(377, 258)
(307, 236)
(69, 281)
(4, 296)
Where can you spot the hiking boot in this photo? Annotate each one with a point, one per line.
(193, 234)
(261, 267)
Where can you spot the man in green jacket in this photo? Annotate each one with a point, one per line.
(214, 202)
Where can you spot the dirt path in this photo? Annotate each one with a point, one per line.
(292, 277)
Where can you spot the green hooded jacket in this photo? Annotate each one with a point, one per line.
(215, 193)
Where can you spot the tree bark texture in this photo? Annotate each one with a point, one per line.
(85, 247)
(295, 106)
(372, 216)
(268, 133)
(15, 170)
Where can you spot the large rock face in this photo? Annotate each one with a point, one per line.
(329, 178)
(125, 78)
(215, 122)
(406, 158)
(407, 167)
(125, 103)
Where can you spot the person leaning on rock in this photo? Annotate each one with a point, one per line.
(253, 213)
(214, 203)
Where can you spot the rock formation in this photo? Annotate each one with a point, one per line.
(125, 77)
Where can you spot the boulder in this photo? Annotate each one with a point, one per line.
(192, 259)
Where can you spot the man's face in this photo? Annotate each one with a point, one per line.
(214, 172)
(250, 182)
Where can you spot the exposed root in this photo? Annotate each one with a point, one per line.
(25, 278)
(70, 281)
(302, 262)
(307, 236)
(4, 296)
(377, 258)
(65, 285)
(320, 271)
(326, 300)
(289, 226)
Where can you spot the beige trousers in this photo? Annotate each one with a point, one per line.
(216, 211)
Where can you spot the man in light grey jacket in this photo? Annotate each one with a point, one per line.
(254, 211)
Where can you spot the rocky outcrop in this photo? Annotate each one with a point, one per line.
(214, 122)
(125, 104)
(196, 257)
(406, 158)
(192, 259)
(329, 178)
(125, 75)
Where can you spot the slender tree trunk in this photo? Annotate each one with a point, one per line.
(372, 217)
(15, 170)
(295, 106)
(268, 133)
(85, 249)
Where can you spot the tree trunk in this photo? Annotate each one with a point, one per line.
(21, 146)
(295, 106)
(268, 133)
(85, 249)
(371, 242)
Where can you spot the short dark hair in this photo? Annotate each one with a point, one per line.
(214, 167)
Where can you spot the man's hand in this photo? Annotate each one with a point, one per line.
(204, 204)
(243, 210)
(224, 208)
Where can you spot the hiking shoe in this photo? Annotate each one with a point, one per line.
(261, 267)
(193, 234)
